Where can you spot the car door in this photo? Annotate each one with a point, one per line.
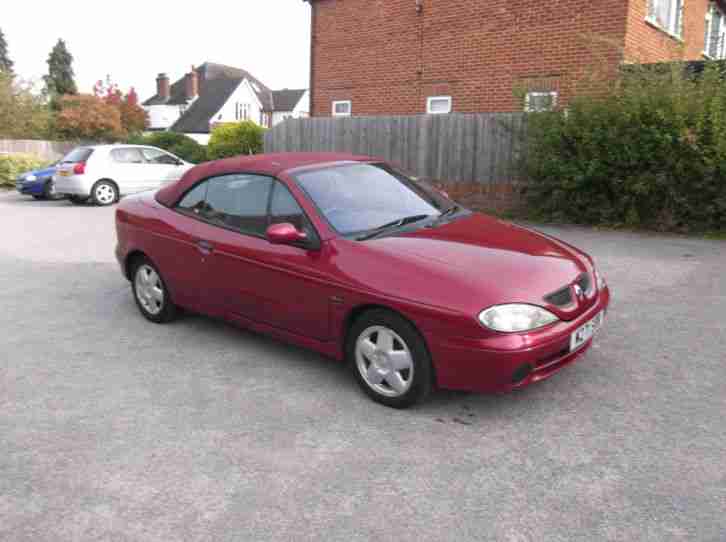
(297, 291)
(182, 254)
(128, 169)
(252, 278)
(163, 168)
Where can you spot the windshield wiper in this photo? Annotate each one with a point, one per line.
(449, 212)
(375, 232)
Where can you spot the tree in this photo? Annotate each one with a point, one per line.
(233, 139)
(88, 117)
(6, 65)
(133, 116)
(23, 115)
(60, 79)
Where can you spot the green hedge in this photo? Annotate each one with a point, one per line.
(178, 144)
(12, 165)
(648, 152)
(234, 139)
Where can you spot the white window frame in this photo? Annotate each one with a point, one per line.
(529, 108)
(721, 53)
(242, 111)
(431, 99)
(336, 103)
(676, 17)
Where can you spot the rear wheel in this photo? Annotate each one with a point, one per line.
(389, 359)
(104, 193)
(151, 294)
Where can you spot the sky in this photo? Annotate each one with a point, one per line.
(133, 40)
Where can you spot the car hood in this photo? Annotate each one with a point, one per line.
(467, 265)
(47, 172)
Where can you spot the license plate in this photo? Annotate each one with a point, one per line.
(585, 332)
(64, 173)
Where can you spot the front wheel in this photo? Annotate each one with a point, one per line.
(49, 191)
(151, 294)
(389, 359)
(104, 193)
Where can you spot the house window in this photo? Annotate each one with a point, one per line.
(438, 105)
(242, 111)
(342, 108)
(714, 44)
(667, 14)
(540, 101)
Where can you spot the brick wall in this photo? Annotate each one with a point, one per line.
(388, 59)
(648, 43)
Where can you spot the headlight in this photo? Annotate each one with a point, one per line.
(599, 280)
(31, 178)
(517, 317)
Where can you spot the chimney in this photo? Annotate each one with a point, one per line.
(191, 84)
(163, 89)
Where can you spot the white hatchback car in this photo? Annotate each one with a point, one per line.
(104, 173)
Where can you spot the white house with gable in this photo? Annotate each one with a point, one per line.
(213, 94)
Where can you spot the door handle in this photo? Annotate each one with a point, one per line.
(205, 247)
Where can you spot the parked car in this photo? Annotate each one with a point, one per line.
(104, 173)
(38, 183)
(349, 257)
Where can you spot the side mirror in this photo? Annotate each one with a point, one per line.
(285, 234)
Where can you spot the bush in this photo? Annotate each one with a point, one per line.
(12, 165)
(234, 139)
(88, 117)
(651, 151)
(178, 144)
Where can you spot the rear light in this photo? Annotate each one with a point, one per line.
(79, 168)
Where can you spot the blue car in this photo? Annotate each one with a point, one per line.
(38, 183)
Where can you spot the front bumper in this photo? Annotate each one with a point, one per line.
(74, 185)
(31, 188)
(510, 360)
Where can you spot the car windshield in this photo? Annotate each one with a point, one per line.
(79, 154)
(357, 198)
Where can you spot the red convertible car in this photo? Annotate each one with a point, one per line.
(349, 257)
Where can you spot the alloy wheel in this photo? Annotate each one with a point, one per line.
(105, 194)
(384, 361)
(149, 289)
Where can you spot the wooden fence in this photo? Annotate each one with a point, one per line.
(484, 148)
(45, 150)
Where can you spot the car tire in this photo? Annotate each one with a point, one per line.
(389, 359)
(49, 192)
(77, 200)
(151, 294)
(38, 197)
(104, 193)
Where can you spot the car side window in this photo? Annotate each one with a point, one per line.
(284, 208)
(239, 202)
(127, 155)
(193, 202)
(155, 156)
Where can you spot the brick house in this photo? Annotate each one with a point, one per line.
(375, 57)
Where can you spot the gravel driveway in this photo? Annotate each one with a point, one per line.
(115, 429)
